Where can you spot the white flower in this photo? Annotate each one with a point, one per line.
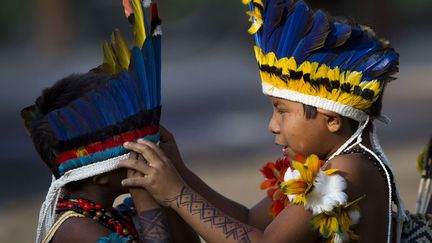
(328, 192)
(340, 237)
(355, 216)
(147, 3)
(289, 175)
(157, 31)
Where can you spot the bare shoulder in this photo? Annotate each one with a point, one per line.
(80, 230)
(358, 170)
(365, 179)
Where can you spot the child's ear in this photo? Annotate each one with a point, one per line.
(103, 179)
(334, 120)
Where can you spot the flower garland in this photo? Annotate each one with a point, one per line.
(274, 174)
(303, 181)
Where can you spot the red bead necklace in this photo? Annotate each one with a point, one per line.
(111, 219)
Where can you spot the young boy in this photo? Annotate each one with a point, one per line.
(78, 127)
(325, 79)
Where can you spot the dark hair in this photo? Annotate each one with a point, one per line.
(55, 97)
(374, 111)
(310, 111)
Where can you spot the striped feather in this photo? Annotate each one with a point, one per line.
(109, 60)
(274, 15)
(298, 23)
(149, 60)
(158, 63)
(378, 64)
(121, 50)
(338, 35)
(139, 72)
(136, 89)
(139, 24)
(87, 112)
(315, 39)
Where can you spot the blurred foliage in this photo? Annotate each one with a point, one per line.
(175, 9)
(15, 17)
(415, 13)
(88, 18)
(414, 5)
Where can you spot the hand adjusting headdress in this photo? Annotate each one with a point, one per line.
(308, 57)
(89, 132)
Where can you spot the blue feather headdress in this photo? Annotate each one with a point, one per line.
(309, 57)
(87, 135)
(94, 127)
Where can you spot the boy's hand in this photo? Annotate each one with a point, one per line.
(142, 198)
(160, 177)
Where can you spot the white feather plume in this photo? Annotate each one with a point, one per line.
(355, 216)
(328, 192)
(157, 31)
(147, 3)
(289, 175)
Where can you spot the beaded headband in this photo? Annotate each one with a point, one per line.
(309, 57)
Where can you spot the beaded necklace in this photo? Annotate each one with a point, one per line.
(111, 219)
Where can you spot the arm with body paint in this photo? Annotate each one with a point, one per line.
(258, 216)
(214, 225)
(156, 223)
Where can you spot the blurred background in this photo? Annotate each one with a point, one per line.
(211, 89)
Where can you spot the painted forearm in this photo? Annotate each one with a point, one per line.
(153, 225)
(229, 207)
(211, 223)
(180, 230)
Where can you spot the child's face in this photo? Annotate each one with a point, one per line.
(294, 132)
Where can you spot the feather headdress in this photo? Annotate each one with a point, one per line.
(88, 134)
(309, 57)
(94, 127)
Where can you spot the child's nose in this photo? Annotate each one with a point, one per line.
(273, 126)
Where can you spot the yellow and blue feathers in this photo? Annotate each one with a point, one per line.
(94, 127)
(314, 54)
(136, 89)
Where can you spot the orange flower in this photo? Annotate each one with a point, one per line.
(274, 173)
(127, 7)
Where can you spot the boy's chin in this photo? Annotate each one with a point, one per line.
(288, 153)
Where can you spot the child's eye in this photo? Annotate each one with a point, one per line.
(282, 111)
